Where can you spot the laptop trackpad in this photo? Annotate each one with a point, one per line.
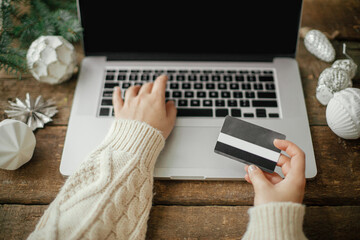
(190, 150)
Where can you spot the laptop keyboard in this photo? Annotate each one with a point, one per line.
(247, 93)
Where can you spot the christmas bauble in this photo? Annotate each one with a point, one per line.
(318, 44)
(17, 144)
(331, 80)
(51, 59)
(347, 65)
(343, 113)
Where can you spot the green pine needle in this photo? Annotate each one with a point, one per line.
(45, 17)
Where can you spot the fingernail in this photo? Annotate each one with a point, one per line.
(252, 168)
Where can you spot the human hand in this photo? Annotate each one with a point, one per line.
(272, 187)
(147, 104)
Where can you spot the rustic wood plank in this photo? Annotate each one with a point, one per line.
(199, 222)
(38, 181)
(11, 88)
(332, 15)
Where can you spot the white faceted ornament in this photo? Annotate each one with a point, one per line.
(17, 144)
(319, 45)
(343, 113)
(51, 59)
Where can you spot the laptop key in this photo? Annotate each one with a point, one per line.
(201, 94)
(121, 77)
(273, 115)
(195, 103)
(207, 103)
(182, 103)
(110, 77)
(177, 94)
(249, 95)
(106, 102)
(204, 78)
(215, 78)
(266, 78)
(238, 94)
(261, 103)
(270, 86)
(244, 103)
(225, 94)
(111, 85)
(126, 85)
(194, 112)
(210, 86)
(104, 111)
(248, 115)
(232, 103)
(186, 86)
(180, 78)
(222, 112)
(107, 94)
(213, 94)
(174, 86)
(222, 86)
(236, 112)
(251, 78)
(192, 78)
(266, 95)
(239, 78)
(220, 103)
(198, 86)
(234, 86)
(261, 113)
(189, 94)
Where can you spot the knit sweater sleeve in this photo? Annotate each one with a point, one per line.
(110, 195)
(276, 220)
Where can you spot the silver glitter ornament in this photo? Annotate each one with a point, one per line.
(34, 113)
(347, 65)
(336, 78)
(319, 45)
(331, 80)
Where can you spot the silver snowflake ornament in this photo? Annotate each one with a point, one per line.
(34, 113)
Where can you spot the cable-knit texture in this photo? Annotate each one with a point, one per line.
(276, 220)
(110, 195)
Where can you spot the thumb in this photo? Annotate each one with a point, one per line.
(257, 177)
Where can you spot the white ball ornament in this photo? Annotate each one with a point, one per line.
(17, 144)
(343, 113)
(51, 59)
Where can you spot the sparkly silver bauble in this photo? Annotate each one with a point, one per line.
(331, 80)
(318, 44)
(346, 64)
(34, 113)
(51, 59)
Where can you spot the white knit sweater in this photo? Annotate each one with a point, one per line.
(110, 195)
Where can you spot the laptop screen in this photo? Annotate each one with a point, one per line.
(189, 30)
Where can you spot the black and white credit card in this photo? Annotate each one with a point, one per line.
(249, 143)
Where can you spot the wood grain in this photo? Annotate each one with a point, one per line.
(337, 182)
(199, 222)
(331, 15)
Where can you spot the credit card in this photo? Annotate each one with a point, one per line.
(248, 143)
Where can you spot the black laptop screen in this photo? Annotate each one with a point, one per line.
(189, 30)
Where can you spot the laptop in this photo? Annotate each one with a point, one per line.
(222, 59)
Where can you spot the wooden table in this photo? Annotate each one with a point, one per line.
(205, 209)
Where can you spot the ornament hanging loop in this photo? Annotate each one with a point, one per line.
(345, 53)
